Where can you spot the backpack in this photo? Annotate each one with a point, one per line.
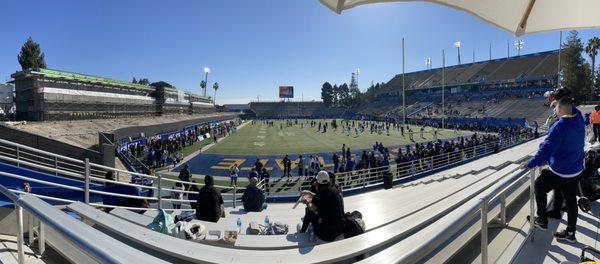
(162, 223)
(353, 224)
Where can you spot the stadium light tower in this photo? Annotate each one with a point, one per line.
(428, 63)
(519, 46)
(457, 45)
(206, 72)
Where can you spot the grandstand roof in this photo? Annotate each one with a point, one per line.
(58, 74)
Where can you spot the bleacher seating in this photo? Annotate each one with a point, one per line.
(387, 223)
(293, 110)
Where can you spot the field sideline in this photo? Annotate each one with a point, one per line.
(260, 139)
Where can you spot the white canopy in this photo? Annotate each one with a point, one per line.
(516, 16)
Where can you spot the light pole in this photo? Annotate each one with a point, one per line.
(444, 85)
(206, 72)
(457, 45)
(428, 63)
(519, 45)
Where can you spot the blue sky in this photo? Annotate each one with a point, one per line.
(253, 46)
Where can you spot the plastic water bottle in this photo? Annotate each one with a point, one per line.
(239, 225)
(267, 220)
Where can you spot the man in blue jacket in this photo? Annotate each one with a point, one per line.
(563, 150)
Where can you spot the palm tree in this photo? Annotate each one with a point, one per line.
(592, 49)
(216, 87)
(203, 86)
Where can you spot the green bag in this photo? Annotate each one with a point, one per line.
(162, 223)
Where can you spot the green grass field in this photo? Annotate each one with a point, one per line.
(260, 139)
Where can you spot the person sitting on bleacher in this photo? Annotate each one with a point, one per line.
(325, 211)
(563, 149)
(253, 197)
(210, 202)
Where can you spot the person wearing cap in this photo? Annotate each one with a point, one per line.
(253, 197)
(324, 210)
(595, 122)
(563, 150)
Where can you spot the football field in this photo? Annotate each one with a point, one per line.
(261, 139)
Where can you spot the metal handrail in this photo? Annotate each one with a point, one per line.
(373, 176)
(480, 208)
(42, 211)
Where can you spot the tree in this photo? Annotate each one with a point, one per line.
(144, 81)
(203, 85)
(344, 95)
(335, 96)
(216, 87)
(596, 91)
(134, 80)
(592, 49)
(161, 84)
(327, 94)
(575, 70)
(31, 55)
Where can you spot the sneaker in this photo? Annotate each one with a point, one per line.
(564, 235)
(553, 214)
(539, 224)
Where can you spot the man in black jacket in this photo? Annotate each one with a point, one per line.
(210, 202)
(184, 175)
(325, 211)
(253, 197)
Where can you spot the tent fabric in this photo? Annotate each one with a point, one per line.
(516, 16)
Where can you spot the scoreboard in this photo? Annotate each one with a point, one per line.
(286, 91)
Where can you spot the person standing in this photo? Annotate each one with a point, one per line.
(285, 162)
(563, 149)
(336, 162)
(258, 165)
(300, 165)
(233, 174)
(184, 175)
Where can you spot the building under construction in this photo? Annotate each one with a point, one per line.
(46, 94)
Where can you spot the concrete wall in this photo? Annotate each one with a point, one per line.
(50, 145)
(151, 130)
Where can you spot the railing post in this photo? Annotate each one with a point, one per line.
(234, 195)
(86, 197)
(18, 157)
(503, 208)
(448, 160)
(21, 256)
(364, 178)
(159, 192)
(484, 231)
(30, 229)
(431, 163)
(55, 166)
(532, 175)
(42, 238)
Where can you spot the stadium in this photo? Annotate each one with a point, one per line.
(496, 160)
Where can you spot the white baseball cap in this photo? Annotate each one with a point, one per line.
(322, 177)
